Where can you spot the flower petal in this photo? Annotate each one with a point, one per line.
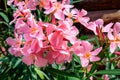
(95, 52)
(112, 47)
(84, 61)
(87, 46)
(40, 62)
(99, 22)
(28, 59)
(107, 28)
(110, 36)
(93, 59)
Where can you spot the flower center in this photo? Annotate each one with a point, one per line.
(33, 30)
(70, 15)
(17, 43)
(87, 55)
(42, 3)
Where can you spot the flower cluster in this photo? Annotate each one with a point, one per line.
(42, 43)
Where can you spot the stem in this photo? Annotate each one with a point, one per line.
(5, 3)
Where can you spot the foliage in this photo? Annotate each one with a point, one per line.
(13, 68)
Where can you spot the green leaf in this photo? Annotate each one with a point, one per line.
(39, 73)
(17, 63)
(109, 72)
(3, 22)
(4, 16)
(39, 14)
(84, 37)
(91, 39)
(76, 1)
(76, 58)
(62, 74)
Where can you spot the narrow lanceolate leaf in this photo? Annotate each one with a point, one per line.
(75, 1)
(109, 72)
(76, 58)
(4, 16)
(17, 63)
(39, 73)
(3, 22)
(62, 74)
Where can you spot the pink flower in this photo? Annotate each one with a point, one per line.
(57, 10)
(97, 27)
(35, 58)
(81, 17)
(9, 2)
(46, 4)
(71, 13)
(65, 1)
(86, 54)
(31, 4)
(15, 44)
(68, 30)
(21, 27)
(26, 4)
(56, 39)
(58, 55)
(64, 56)
(49, 28)
(115, 37)
(77, 48)
(32, 51)
(51, 55)
(35, 28)
(31, 45)
(22, 15)
(106, 77)
(15, 51)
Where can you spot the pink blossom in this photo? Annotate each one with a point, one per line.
(81, 17)
(36, 59)
(77, 48)
(31, 45)
(56, 39)
(86, 54)
(106, 77)
(46, 4)
(59, 56)
(32, 51)
(65, 1)
(31, 4)
(114, 38)
(22, 15)
(49, 28)
(69, 31)
(9, 2)
(71, 13)
(41, 43)
(35, 29)
(26, 4)
(64, 56)
(57, 10)
(21, 27)
(15, 51)
(98, 25)
(15, 44)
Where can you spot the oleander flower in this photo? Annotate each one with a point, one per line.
(98, 25)
(114, 37)
(87, 54)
